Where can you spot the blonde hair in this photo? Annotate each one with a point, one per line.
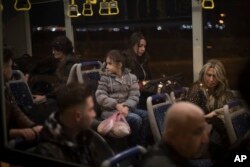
(217, 98)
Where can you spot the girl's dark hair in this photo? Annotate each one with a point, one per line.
(63, 44)
(7, 55)
(135, 38)
(117, 57)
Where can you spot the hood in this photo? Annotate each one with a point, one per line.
(53, 132)
(104, 73)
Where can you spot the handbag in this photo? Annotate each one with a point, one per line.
(115, 126)
(163, 85)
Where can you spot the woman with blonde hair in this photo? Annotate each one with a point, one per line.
(211, 92)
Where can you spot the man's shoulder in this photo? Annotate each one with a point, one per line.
(157, 161)
(49, 149)
(163, 155)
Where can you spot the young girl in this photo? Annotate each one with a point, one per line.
(118, 90)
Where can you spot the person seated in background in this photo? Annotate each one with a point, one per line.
(211, 92)
(63, 52)
(64, 57)
(26, 64)
(18, 124)
(118, 90)
(65, 133)
(184, 138)
(137, 58)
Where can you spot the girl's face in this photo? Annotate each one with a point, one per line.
(140, 47)
(112, 67)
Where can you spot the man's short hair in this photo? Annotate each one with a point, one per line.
(71, 95)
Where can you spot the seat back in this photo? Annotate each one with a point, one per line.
(157, 105)
(17, 75)
(88, 71)
(72, 74)
(20, 89)
(240, 121)
(85, 72)
(202, 162)
(100, 150)
(237, 123)
(124, 155)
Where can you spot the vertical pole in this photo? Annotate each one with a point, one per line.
(197, 38)
(28, 33)
(3, 132)
(68, 25)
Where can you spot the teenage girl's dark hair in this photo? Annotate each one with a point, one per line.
(116, 57)
(135, 39)
(63, 44)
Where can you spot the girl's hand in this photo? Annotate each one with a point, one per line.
(125, 111)
(119, 107)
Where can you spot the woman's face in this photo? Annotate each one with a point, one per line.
(58, 54)
(210, 79)
(140, 47)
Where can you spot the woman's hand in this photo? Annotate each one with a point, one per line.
(211, 114)
(39, 98)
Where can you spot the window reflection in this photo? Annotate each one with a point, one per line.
(166, 24)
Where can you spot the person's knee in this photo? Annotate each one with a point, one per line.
(134, 120)
(142, 113)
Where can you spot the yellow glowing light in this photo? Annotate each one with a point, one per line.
(22, 5)
(222, 15)
(207, 4)
(221, 21)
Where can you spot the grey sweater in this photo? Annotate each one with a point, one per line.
(113, 90)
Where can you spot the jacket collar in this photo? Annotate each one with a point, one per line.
(126, 71)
